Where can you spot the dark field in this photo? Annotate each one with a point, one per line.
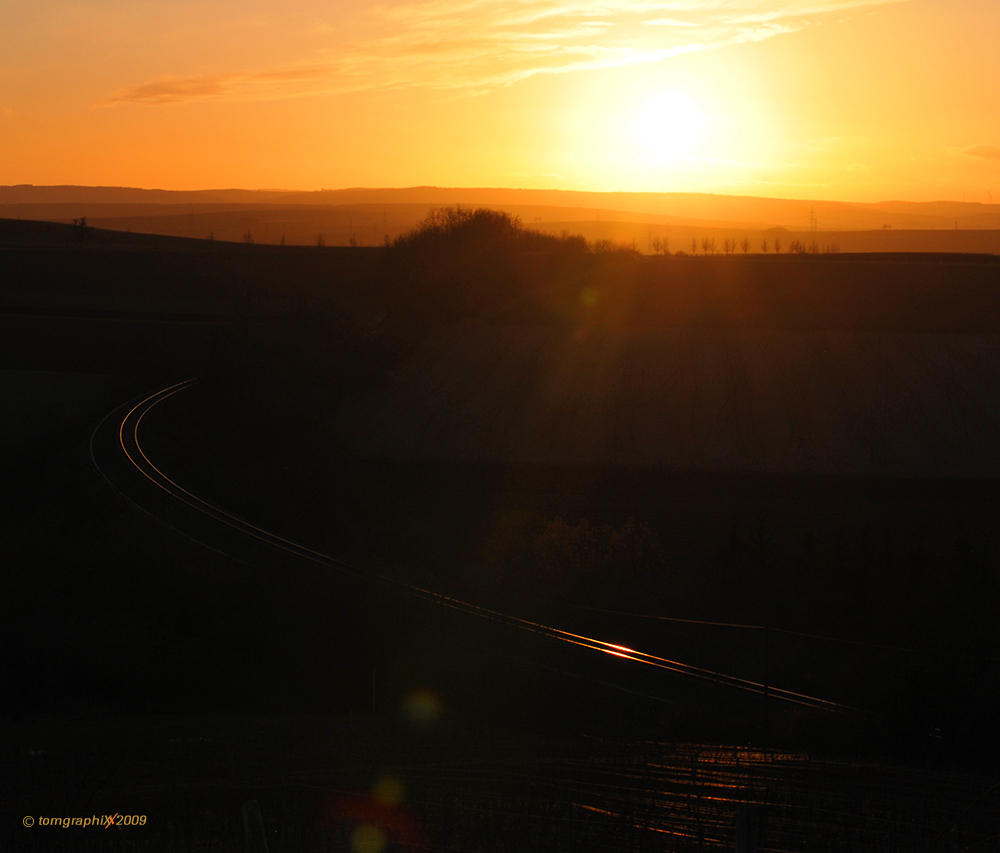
(544, 446)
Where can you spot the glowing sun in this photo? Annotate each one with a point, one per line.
(669, 124)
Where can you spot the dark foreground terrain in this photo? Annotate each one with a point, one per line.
(148, 674)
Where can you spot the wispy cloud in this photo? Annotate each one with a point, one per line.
(669, 22)
(754, 12)
(473, 46)
(988, 152)
(169, 90)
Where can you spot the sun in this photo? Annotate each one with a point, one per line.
(669, 125)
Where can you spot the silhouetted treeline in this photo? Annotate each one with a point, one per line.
(459, 262)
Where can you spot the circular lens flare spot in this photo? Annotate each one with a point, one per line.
(388, 791)
(422, 706)
(367, 839)
(669, 124)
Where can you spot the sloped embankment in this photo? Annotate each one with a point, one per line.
(837, 402)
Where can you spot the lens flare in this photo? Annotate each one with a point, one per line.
(422, 706)
(388, 791)
(367, 839)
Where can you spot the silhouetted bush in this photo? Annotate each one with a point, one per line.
(459, 262)
(572, 243)
(605, 247)
(584, 563)
(593, 562)
(455, 227)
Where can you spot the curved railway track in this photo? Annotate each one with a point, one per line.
(128, 420)
(691, 794)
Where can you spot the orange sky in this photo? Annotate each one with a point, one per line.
(838, 99)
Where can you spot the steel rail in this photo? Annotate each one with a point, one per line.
(128, 436)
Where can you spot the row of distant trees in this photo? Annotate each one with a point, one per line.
(730, 245)
(248, 238)
(462, 225)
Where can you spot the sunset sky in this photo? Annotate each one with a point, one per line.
(842, 99)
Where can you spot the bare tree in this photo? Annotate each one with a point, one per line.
(763, 245)
(694, 245)
(704, 245)
(728, 245)
(745, 245)
(711, 245)
(655, 243)
(777, 245)
(81, 228)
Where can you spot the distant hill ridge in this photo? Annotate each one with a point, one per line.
(69, 194)
(796, 214)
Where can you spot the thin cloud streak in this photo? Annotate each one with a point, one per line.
(469, 47)
(988, 152)
(763, 12)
